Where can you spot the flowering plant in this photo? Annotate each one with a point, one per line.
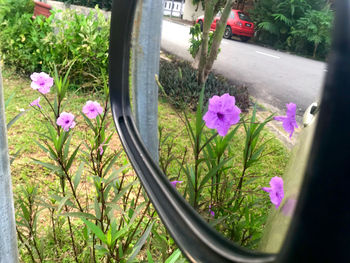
(113, 220)
(217, 186)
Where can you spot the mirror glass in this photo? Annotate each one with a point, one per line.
(239, 157)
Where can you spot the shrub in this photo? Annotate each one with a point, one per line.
(104, 4)
(315, 29)
(83, 40)
(179, 80)
(63, 39)
(301, 25)
(10, 7)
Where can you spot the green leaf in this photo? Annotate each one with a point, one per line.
(48, 166)
(120, 251)
(149, 257)
(106, 191)
(80, 215)
(136, 213)
(53, 134)
(189, 129)
(7, 102)
(261, 126)
(174, 256)
(66, 147)
(109, 238)
(59, 142)
(122, 191)
(115, 174)
(89, 123)
(55, 105)
(111, 163)
(96, 230)
(14, 156)
(97, 208)
(228, 138)
(213, 171)
(76, 179)
(140, 243)
(41, 146)
(71, 159)
(25, 212)
(11, 122)
(190, 183)
(62, 203)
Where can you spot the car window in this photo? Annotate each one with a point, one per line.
(244, 17)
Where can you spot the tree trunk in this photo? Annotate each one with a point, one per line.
(208, 19)
(206, 61)
(315, 50)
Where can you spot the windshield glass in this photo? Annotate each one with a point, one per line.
(244, 17)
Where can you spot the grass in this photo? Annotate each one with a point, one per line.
(174, 143)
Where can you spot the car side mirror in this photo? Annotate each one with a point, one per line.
(320, 229)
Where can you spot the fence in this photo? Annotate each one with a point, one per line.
(173, 8)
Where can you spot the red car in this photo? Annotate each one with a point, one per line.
(238, 24)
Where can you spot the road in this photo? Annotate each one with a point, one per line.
(274, 78)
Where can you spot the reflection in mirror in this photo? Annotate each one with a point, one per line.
(236, 162)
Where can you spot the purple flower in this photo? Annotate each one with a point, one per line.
(92, 109)
(222, 113)
(41, 82)
(101, 147)
(174, 183)
(275, 191)
(288, 121)
(66, 121)
(36, 103)
(211, 211)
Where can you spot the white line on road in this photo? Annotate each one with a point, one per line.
(262, 53)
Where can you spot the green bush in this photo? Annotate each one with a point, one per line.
(15, 30)
(83, 40)
(103, 4)
(276, 20)
(63, 39)
(10, 7)
(314, 29)
(179, 80)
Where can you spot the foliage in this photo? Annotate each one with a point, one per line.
(52, 231)
(64, 39)
(103, 4)
(276, 20)
(179, 80)
(95, 209)
(10, 7)
(219, 185)
(219, 4)
(196, 40)
(83, 40)
(314, 28)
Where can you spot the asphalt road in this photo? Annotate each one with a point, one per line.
(274, 78)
